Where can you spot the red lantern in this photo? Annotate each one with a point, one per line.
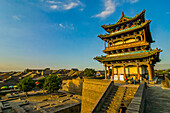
(36, 82)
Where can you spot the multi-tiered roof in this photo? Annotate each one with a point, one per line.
(128, 41)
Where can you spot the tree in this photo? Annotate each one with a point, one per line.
(89, 72)
(52, 83)
(41, 83)
(26, 84)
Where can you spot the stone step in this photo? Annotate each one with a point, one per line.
(113, 100)
(107, 99)
(116, 103)
(103, 109)
(113, 92)
(110, 96)
(112, 111)
(119, 94)
(115, 107)
(107, 104)
(115, 89)
(102, 112)
(116, 96)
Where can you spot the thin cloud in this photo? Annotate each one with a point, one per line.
(132, 1)
(16, 18)
(167, 12)
(61, 25)
(53, 6)
(82, 9)
(70, 5)
(53, 2)
(65, 4)
(110, 7)
(66, 26)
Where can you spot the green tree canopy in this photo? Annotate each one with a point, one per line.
(52, 83)
(41, 83)
(89, 72)
(26, 84)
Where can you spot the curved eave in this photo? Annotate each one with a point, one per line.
(118, 23)
(127, 57)
(125, 31)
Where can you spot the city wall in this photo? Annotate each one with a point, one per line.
(92, 91)
(167, 81)
(137, 103)
(74, 108)
(73, 86)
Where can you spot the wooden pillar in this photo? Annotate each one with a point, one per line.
(138, 71)
(150, 71)
(141, 38)
(105, 71)
(112, 71)
(109, 71)
(144, 36)
(105, 44)
(153, 71)
(124, 71)
(108, 44)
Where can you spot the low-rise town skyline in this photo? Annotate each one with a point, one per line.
(79, 56)
(43, 33)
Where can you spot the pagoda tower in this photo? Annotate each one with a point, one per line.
(128, 48)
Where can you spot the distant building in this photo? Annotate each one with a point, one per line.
(45, 71)
(74, 69)
(99, 73)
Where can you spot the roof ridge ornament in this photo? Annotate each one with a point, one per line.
(122, 13)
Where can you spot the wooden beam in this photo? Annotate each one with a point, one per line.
(105, 71)
(112, 71)
(124, 71)
(138, 71)
(144, 35)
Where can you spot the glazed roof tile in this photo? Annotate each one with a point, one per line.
(124, 30)
(130, 56)
(123, 16)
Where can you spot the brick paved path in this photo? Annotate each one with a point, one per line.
(157, 99)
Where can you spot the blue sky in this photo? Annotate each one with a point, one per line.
(63, 33)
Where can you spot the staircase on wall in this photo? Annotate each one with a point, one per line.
(128, 96)
(113, 100)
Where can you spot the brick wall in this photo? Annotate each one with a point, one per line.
(167, 81)
(137, 103)
(73, 86)
(92, 91)
(74, 108)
